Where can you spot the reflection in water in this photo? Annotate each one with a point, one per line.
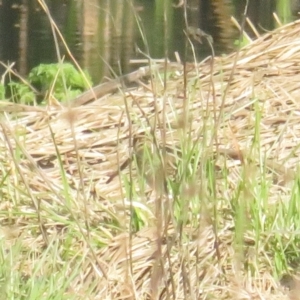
(23, 37)
(103, 35)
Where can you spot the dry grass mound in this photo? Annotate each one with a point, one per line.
(73, 169)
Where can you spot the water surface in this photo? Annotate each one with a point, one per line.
(108, 36)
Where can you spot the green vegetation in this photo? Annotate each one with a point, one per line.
(21, 93)
(61, 81)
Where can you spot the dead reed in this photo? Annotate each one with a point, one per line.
(73, 169)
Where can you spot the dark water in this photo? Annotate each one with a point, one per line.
(105, 36)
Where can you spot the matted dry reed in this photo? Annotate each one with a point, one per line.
(96, 140)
